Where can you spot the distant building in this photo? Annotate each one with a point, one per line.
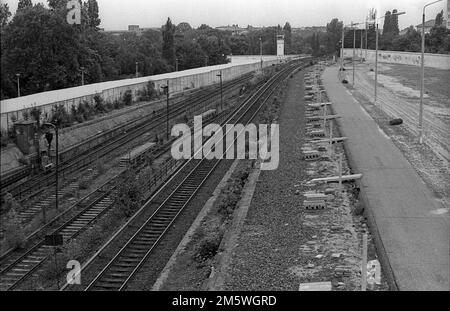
(404, 31)
(131, 28)
(234, 29)
(428, 25)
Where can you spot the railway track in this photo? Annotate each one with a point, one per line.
(31, 207)
(132, 255)
(126, 134)
(14, 270)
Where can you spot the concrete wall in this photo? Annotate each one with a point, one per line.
(113, 90)
(440, 61)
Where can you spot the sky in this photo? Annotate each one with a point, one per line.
(118, 14)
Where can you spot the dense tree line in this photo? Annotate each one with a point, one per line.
(437, 41)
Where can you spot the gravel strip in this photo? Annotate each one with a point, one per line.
(281, 244)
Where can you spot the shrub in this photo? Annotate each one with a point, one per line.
(208, 247)
(4, 139)
(127, 98)
(109, 106)
(52, 271)
(25, 115)
(117, 104)
(36, 113)
(129, 194)
(85, 110)
(60, 117)
(100, 167)
(83, 184)
(14, 234)
(98, 106)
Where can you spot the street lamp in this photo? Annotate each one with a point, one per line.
(422, 73)
(260, 51)
(354, 46)
(18, 84)
(221, 91)
(49, 139)
(376, 52)
(82, 75)
(166, 89)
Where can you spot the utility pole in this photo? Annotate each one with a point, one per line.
(260, 51)
(166, 89)
(342, 48)
(366, 41)
(376, 62)
(18, 84)
(353, 61)
(221, 90)
(361, 47)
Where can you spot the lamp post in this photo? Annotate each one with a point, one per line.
(342, 47)
(221, 91)
(55, 128)
(176, 64)
(422, 72)
(376, 53)
(18, 84)
(260, 51)
(166, 89)
(82, 75)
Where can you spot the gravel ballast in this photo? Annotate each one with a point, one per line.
(281, 244)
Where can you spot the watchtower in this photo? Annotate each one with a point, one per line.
(280, 45)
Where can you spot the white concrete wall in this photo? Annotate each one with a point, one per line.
(440, 61)
(112, 90)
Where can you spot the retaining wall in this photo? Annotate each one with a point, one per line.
(113, 90)
(439, 61)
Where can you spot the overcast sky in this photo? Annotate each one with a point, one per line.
(118, 14)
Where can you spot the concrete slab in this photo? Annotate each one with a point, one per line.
(413, 241)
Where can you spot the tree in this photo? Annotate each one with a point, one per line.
(4, 14)
(394, 23)
(41, 46)
(287, 36)
(439, 18)
(409, 42)
(387, 23)
(57, 4)
(24, 4)
(168, 46)
(334, 34)
(92, 12)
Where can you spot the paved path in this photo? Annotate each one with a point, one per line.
(413, 237)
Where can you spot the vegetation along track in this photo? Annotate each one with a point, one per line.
(133, 254)
(123, 134)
